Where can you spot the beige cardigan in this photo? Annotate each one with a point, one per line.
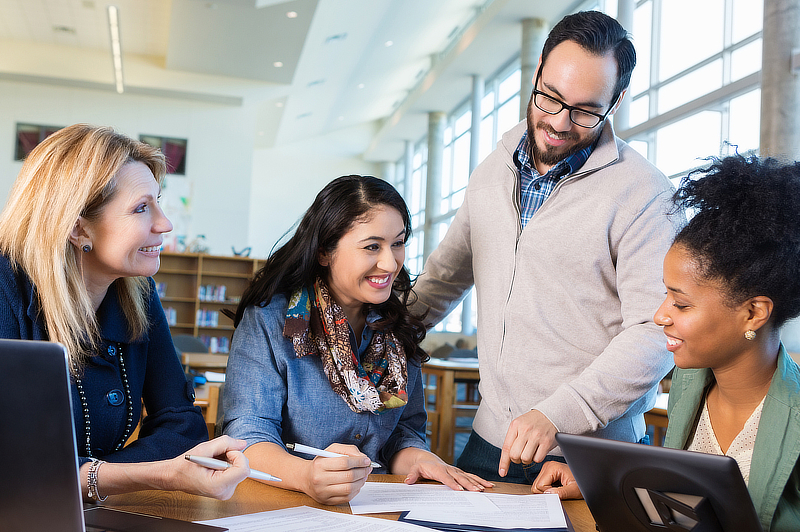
(564, 307)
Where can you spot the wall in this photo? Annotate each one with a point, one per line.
(216, 188)
(286, 180)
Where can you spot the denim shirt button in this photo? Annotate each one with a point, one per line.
(358, 436)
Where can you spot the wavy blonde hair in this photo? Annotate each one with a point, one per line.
(71, 174)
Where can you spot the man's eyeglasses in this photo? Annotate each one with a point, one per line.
(553, 106)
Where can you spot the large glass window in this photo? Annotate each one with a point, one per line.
(694, 93)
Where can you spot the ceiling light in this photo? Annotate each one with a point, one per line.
(116, 47)
(277, 64)
(291, 14)
(360, 85)
(278, 104)
(387, 44)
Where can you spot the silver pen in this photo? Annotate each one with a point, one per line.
(219, 465)
(305, 449)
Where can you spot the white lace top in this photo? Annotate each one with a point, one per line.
(741, 449)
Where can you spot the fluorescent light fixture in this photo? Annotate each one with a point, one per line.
(292, 14)
(116, 47)
(277, 64)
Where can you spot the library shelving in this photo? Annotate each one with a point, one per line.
(194, 288)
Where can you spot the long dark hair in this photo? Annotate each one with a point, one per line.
(343, 202)
(745, 232)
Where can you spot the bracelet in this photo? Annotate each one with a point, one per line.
(91, 481)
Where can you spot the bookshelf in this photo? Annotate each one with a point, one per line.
(194, 288)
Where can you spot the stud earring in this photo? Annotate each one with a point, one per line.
(750, 334)
(86, 248)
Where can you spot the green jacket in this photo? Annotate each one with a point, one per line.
(774, 472)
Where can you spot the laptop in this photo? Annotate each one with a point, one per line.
(634, 487)
(40, 490)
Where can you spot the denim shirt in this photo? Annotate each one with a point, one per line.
(271, 395)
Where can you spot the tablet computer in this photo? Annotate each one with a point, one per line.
(634, 487)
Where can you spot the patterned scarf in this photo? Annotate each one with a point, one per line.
(319, 327)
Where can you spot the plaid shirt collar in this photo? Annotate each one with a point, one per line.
(524, 161)
(534, 188)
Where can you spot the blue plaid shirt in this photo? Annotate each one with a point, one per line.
(535, 188)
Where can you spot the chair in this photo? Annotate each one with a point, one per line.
(207, 398)
(657, 419)
(186, 343)
(443, 382)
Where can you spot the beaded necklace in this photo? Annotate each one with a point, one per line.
(87, 424)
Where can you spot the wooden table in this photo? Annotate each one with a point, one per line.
(442, 414)
(252, 496)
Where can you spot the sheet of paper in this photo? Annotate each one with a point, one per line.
(307, 519)
(377, 497)
(511, 511)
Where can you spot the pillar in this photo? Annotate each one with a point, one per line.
(780, 83)
(437, 121)
(625, 10)
(534, 33)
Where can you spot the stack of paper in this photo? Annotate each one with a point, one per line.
(307, 519)
(441, 508)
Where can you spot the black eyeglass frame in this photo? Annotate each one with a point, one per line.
(570, 108)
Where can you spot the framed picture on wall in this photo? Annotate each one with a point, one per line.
(173, 149)
(28, 136)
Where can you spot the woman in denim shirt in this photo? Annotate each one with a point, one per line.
(326, 354)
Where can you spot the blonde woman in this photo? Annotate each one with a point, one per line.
(80, 237)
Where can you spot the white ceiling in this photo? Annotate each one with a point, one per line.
(340, 78)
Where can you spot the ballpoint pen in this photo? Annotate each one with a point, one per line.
(305, 449)
(213, 463)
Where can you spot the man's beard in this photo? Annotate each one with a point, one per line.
(551, 155)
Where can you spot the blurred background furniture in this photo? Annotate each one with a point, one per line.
(195, 288)
(451, 394)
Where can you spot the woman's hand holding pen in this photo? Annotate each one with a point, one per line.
(183, 475)
(336, 480)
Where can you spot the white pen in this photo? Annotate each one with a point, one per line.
(305, 449)
(213, 463)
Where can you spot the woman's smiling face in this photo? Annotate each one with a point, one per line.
(366, 260)
(703, 330)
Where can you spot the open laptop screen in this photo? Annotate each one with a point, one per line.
(40, 486)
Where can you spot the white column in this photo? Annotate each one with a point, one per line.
(625, 10)
(534, 33)
(780, 85)
(437, 122)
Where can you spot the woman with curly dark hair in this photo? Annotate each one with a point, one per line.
(732, 278)
(326, 353)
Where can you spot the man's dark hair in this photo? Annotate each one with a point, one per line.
(597, 33)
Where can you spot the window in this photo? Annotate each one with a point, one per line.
(694, 93)
(695, 90)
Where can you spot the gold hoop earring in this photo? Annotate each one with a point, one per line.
(750, 334)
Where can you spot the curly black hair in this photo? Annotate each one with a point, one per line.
(745, 232)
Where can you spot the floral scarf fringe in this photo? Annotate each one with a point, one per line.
(319, 327)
